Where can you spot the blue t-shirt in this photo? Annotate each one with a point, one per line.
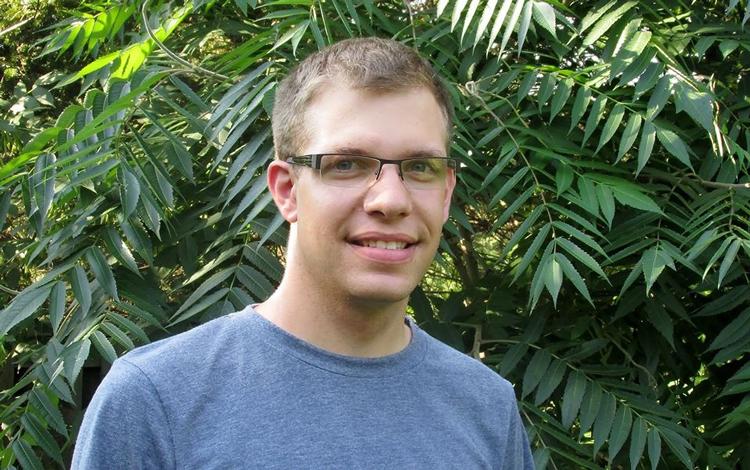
(239, 392)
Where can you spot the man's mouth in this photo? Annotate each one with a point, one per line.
(382, 244)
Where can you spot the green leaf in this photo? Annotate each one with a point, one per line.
(533, 250)
(118, 335)
(699, 106)
(562, 93)
(550, 382)
(620, 430)
(646, 146)
(679, 446)
(498, 23)
(606, 201)
(631, 196)
(130, 191)
(102, 271)
(588, 195)
(729, 257)
(661, 320)
(22, 307)
(522, 230)
(57, 305)
(572, 397)
(509, 185)
(204, 303)
(41, 436)
(652, 263)
(630, 52)
(204, 288)
(573, 276)
(523, 25)
(26, 456)
(563, 178)
(629, 135)
(611, 125)
(511, 24)
(658, 98)
(525, 87)
(606, 22)
(511, 358)
(576, 252)
(102, 344)
(597, 110)
(81, 288)
(674, 145)
(648, 79)
(637, 67)
(484, 21)
(580, 236)
(654, 447)
(535, 371)
(511, 209)
(119, 249)
(74, 357)
(604, 420)
(637, 442)
(544, 16)
(546, 88)
(590, 406)
(473, 5)
(458, 10)
(39, 401)
(553, 278)
(583, 98)
(737, 329)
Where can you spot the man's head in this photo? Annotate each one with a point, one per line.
(371, 64)
(355, 237)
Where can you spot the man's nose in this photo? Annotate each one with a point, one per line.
(388, 196)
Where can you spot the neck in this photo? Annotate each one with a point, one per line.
(351, 327)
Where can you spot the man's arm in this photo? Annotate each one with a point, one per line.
(125, 426)
(518, 453)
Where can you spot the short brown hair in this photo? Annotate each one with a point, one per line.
(376, 64)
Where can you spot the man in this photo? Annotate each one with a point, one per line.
(328, 372)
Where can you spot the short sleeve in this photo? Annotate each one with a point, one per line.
(517, 451)
(125, 425)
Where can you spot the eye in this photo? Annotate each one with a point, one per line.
(344, 164)
(423, 166)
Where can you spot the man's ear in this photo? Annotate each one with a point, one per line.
(448, 194)
(282, 184)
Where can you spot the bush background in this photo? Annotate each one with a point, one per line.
(598, 245)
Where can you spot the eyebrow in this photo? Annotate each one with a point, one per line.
(418, 153)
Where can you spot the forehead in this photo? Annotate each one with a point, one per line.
(394, 123)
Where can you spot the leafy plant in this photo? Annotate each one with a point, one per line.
(596, 253)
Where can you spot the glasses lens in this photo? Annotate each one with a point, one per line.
(425, 173)
(348, 170)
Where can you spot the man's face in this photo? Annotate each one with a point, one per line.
(338, 228)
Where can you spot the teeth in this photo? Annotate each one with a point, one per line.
(384, 244)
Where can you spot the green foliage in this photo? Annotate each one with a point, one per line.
(597, 249)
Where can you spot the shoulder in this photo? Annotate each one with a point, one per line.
(464, 371)
(191, 346)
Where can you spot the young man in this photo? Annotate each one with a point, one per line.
(328, 372)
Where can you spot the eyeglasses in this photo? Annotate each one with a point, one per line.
(354, 171)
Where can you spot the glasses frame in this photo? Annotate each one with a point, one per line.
(315, 161)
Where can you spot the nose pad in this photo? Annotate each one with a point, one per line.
(380, 171)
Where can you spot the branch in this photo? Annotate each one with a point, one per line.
(715, 184)
(14, 27)
(696, 179)
(8, 290)
(171, 54)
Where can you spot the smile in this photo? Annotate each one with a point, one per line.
(383, 245)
